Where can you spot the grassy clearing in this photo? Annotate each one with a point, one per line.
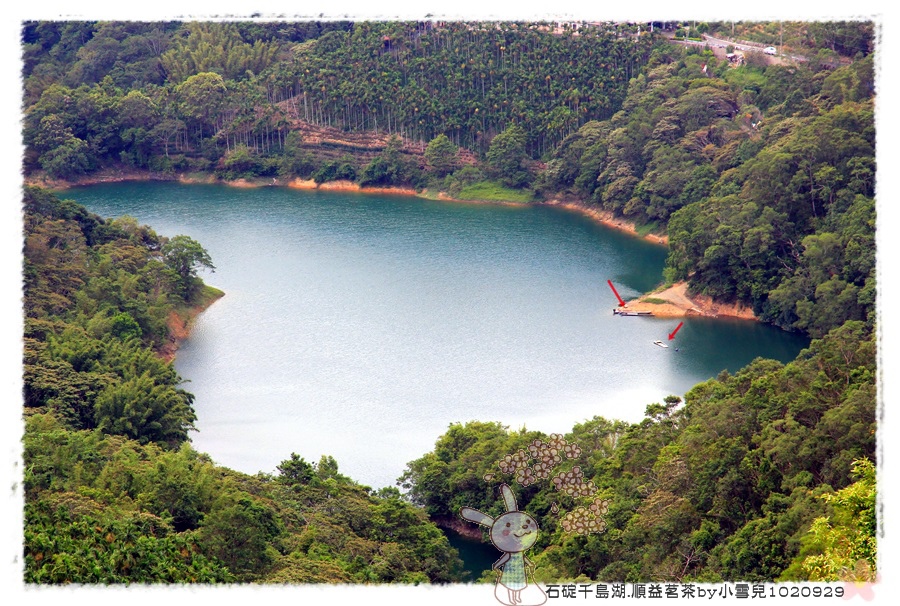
(198, 177)
(654, 301)
(203, 299)
(493, 191)
(208, 294)
(429, 193)
(648, 228)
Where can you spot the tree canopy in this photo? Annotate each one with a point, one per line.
(733, 484)
(114, 493)
(185, 256)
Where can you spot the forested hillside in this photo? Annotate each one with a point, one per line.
(763, 178)
(170, 96)
(760, 172)
(114, 493)
(723, 487)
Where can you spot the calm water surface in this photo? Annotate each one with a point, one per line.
(361, 326)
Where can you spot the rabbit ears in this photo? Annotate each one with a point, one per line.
(473, 515)
(509, 499)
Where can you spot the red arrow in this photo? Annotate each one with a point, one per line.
(621, 302)
(672, 334)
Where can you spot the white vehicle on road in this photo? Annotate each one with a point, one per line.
(770, 50)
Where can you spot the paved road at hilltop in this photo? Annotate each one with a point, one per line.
(718, 45)
(743, 47)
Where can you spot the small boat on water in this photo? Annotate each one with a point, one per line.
(628, 312)
(660, 343)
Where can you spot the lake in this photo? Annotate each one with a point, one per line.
(361, 326)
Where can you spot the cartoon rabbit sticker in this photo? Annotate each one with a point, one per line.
(512, 533)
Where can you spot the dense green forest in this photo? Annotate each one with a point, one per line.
(114, 492)
(142, 93)
(761, 174)
(764, 180)
(724, 487)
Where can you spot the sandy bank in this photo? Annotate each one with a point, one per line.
(349, 186)
(676, 303)
(119, 175)
(112, 175)
(606, 218)
(445, 197)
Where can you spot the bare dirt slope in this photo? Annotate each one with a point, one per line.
(677, 303)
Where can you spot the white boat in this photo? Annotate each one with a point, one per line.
(628, 312)
(660, 343)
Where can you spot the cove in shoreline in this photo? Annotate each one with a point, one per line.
(118, 175)
(670, 302)
(367, 311)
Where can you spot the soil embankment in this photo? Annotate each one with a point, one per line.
(607, 218)
(674, 302)
(181, 320)
(330, 144)
(347, 186)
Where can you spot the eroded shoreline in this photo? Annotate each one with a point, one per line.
(674, 302)
(607, 218)
(670, 301)
(180, 321)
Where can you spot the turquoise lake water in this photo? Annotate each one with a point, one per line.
(361, 326)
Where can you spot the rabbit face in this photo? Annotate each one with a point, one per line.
(514, 531)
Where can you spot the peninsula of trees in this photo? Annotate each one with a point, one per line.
(114, 493)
